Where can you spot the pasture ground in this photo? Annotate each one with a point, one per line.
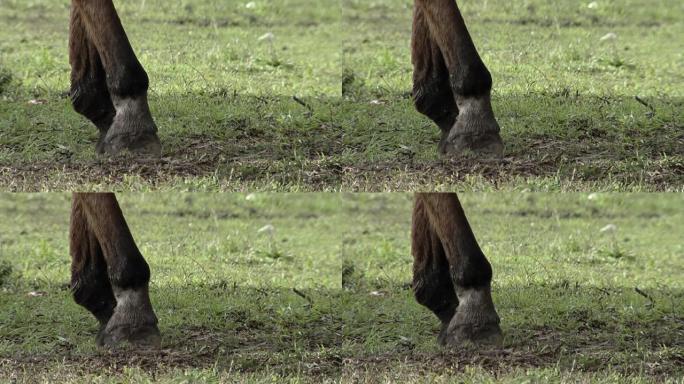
(588, 288)
(589, 98)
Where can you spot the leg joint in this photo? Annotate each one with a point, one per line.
(91, 289)
(435, 100)
(91, 99)
(472, 271)
(128, 80)
(132, 272)
(471, 80)
(436, 292)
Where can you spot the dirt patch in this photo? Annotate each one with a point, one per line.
(232, 167)
(247, 350)
(544, 348)
(494, 360)
(580, 342)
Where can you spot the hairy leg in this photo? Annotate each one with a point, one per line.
(475, 128)
(89, 281)
(97, 31)
(101, 222)
(432, 95)
(432, 284)
(89, 94)
(475, 318)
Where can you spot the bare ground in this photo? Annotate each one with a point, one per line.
(233, 170)
(249, 350)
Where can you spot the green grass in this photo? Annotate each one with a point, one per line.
(223, 99)
(578, 303)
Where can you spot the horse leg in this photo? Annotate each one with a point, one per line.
(109, 275)
(89, 281)
(104, 66)
(475, 318)
(432, 95)
(439, 28)
(432, 285)
(89, 94)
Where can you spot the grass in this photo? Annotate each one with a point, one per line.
(588, 287)
(578, 112)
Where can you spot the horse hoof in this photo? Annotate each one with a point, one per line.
(475, 321)
(475, 129)
(146, 336)
(133, 321)
(488, 334)
(488, 145)
(144, 144)
(132, 129)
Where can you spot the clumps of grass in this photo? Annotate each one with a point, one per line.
(273, 61)
(352, 86)
(5, 272)
(5, 79)
(272, 251)
(348, 79)
(615, 60)
(613, 251)
(352, 277)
